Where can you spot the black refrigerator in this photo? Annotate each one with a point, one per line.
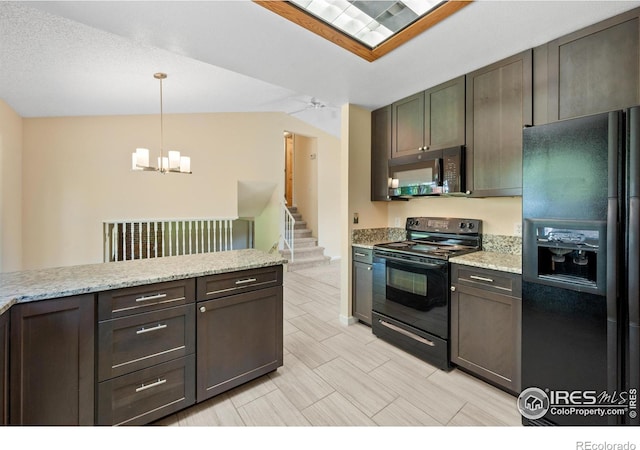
(580, 318)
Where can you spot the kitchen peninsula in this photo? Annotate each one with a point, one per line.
(115, 343)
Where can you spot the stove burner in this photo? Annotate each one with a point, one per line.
(398, 244)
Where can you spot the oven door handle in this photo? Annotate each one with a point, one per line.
(438, 265)
(413, 336)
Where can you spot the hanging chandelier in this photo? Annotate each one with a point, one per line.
(173, 162)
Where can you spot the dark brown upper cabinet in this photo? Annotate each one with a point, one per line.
(499, 105)
(380, 153)
(593, 70)
(429, 120)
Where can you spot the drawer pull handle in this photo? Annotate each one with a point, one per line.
(475, 277)
(150, 297)
(361, 254)
(144, 387)
(413, 336)
(203, 309)
(246, 280)
(143, 330)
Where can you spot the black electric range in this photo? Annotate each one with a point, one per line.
(411, 284)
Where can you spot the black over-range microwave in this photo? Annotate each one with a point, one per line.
(437, 172)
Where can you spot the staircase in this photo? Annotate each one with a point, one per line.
(305, 247)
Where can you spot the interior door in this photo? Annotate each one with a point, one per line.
(288, 168)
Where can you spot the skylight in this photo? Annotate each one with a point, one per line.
(370, 22)
(369, 29)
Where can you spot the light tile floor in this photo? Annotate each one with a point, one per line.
(336, 375)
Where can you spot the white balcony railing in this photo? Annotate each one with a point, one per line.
(124, 240)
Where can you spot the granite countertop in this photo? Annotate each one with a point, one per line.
(40, 284)
(504, 262)
(369, 244)
(368, 237)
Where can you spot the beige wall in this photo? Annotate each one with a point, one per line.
(356, 174)
(77, 175)
(10, 189)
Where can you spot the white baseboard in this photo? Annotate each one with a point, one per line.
(344, 320)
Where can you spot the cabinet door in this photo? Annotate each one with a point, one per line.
(52, 362)
(499, 105)
(362, 291)
(444, 115)
(596, 69)
(4, 369)
(239, 338)
(485, 329)
(380, 153)
(408, 126)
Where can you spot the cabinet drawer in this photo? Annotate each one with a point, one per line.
(140, 299)
(149, 394)
(142, 340)
(364, 255)
(490, 280)
(223, 284)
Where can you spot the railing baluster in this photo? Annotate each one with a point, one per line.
(170, 236)
(208, 235)
(115, 241)
(197, 236)
(164, 234)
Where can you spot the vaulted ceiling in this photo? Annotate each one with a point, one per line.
(75, 58)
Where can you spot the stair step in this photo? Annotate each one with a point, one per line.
(301, 233)
(304, 242)
(306, 263)
(293, 209)
(303, 253)
(297, 216)
(300, 225)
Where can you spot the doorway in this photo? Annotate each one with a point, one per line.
(301, 177)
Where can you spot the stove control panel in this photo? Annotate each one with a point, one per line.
(444, 225)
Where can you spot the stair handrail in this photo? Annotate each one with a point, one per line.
(289, 223)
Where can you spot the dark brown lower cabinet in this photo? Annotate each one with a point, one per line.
(4, 369)
(52, 362)
(362, 280)
(239, 338)
(486, 312)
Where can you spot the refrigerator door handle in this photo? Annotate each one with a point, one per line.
(633, 261)
(633, 216)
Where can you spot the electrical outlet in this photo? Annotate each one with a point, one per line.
(398, 222)
(517, 228)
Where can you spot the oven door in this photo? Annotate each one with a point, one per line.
(415, 293)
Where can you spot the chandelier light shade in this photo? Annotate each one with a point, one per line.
(173, 162)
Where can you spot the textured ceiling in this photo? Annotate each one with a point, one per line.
(97, 58)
